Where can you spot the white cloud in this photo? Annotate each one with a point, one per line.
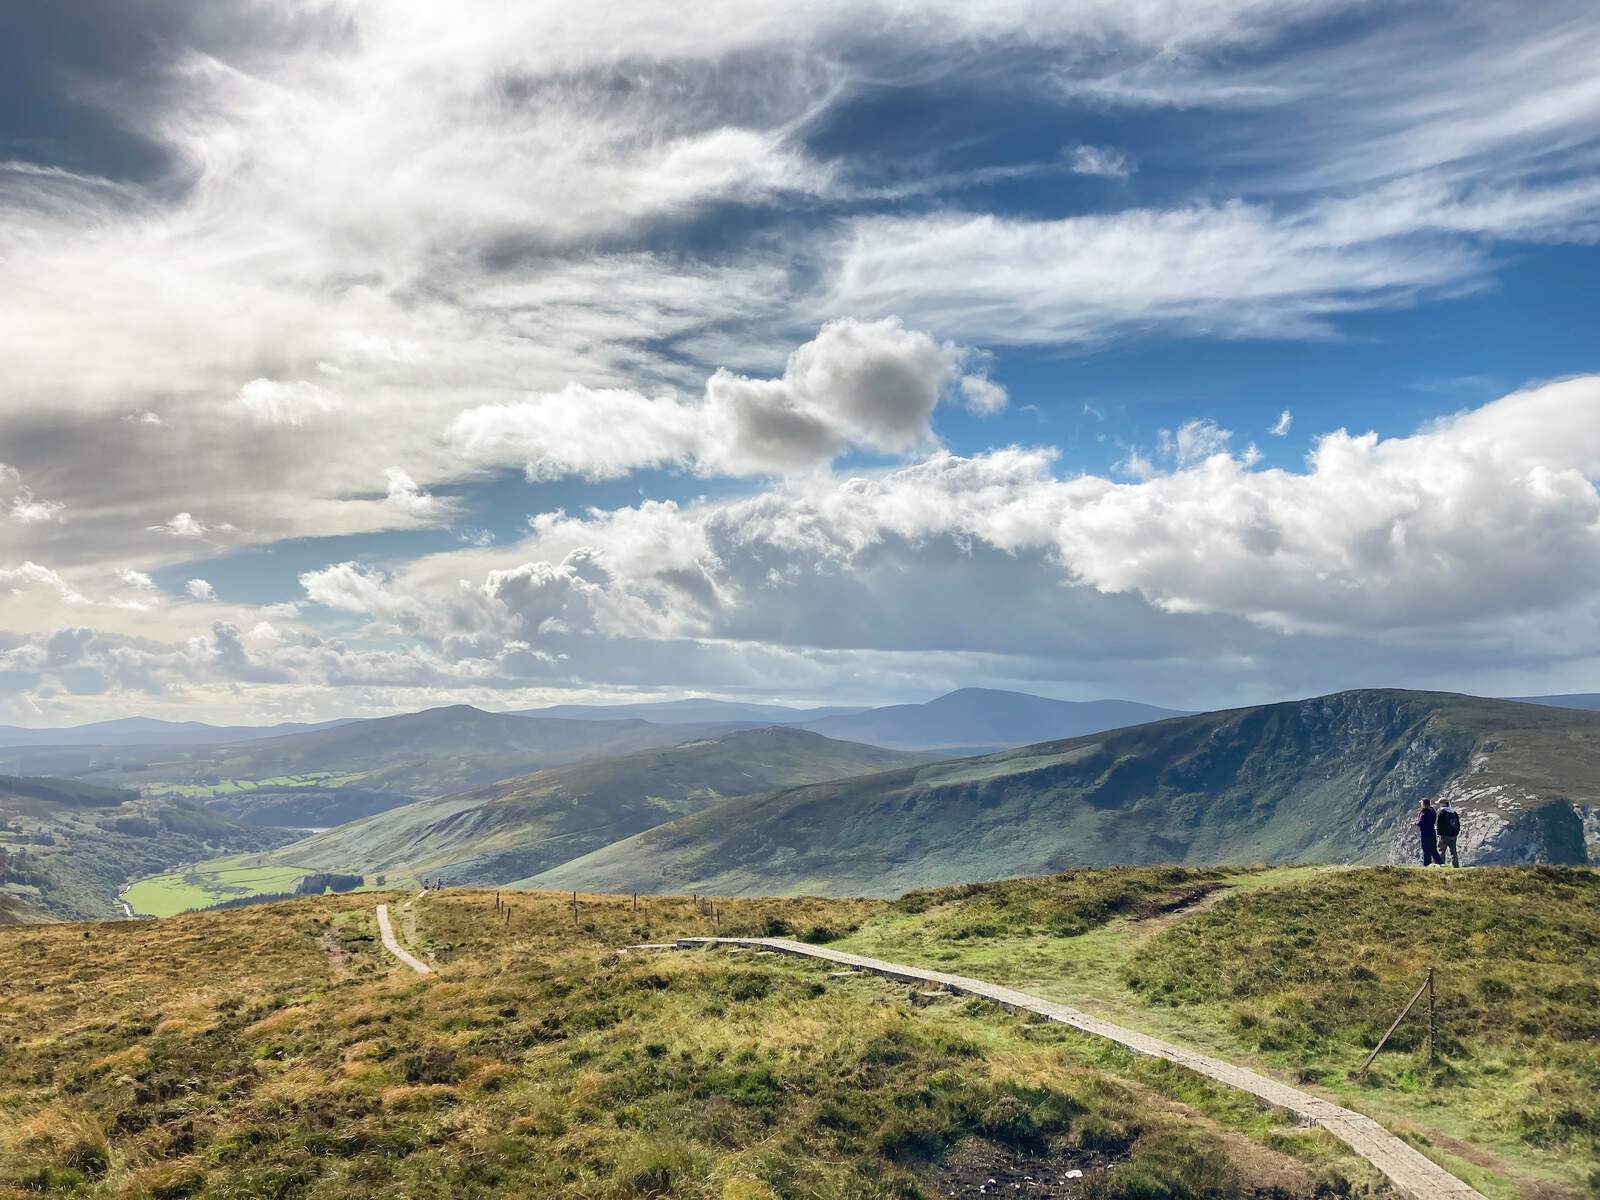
(982, 394)
(30, 575)
(1195, 441)
(31, 511)
(136, 579)
(496, 236)
(865, 385)
(1106, 162)
(292, 402)
(1231, 270)
(1280, 427)
(1488, 515)
(182, 525)
(200, 589)
(404, 493)
(1135, 465)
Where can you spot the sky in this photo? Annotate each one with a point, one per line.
(360, 357)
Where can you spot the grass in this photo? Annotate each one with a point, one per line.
(1300, 970)
(186, 890)
(277, 1052)
(224, 787)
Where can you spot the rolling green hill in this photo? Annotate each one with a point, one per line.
(327, 776)
(520, 826)
(1333, 779)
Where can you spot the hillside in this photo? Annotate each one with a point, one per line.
(67, 848)
(973, 720)
(1333, 779)
(429, 753)
(520, 826)
(1298, 971)
(279, 1052)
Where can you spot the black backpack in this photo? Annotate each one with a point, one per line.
(1449, 824)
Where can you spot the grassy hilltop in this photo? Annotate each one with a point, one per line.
(277, 1051)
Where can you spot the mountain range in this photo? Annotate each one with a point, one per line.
(499, 833)
(690, 712)
(1332, 779)
(973, 720)
(149, 731)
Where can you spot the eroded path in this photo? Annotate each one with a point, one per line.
(1412, 1173)
(393, 946)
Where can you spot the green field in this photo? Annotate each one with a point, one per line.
(227, 787)
(183, 891)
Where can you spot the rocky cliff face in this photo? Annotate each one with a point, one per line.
(1503, 823)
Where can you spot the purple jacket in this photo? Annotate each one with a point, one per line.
(1425, 821)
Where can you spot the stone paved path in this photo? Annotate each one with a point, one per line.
(1412, 1173)
(386, 931)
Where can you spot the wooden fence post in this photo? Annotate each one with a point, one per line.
(1425, 986)
(1430, 1016)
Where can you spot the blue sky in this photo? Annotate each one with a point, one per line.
(365, 357)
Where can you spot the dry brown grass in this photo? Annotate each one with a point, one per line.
(229, 1054)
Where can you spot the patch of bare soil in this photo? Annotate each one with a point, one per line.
(983, 1168)
(1156, 913)
(338, 959)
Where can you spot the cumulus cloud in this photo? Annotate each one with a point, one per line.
(182, 525)
(25, 507)
(200, 589)
(30, 510)
(856, 385)
(292, 402)
(1473, 541)
(1487, 515)
(404, 493)
(30, 575)
(1280, 427)
(136, 579)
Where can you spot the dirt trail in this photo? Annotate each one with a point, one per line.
(386, 932)
(1412, 1173)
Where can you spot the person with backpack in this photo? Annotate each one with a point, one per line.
(1427, 826)
(1448, 827)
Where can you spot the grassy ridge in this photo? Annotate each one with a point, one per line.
(276, 1052)
(1333, 779)
(1313, 975)
(1301, 970)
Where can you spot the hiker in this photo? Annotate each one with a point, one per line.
(1427, 824)
(1448, 827)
